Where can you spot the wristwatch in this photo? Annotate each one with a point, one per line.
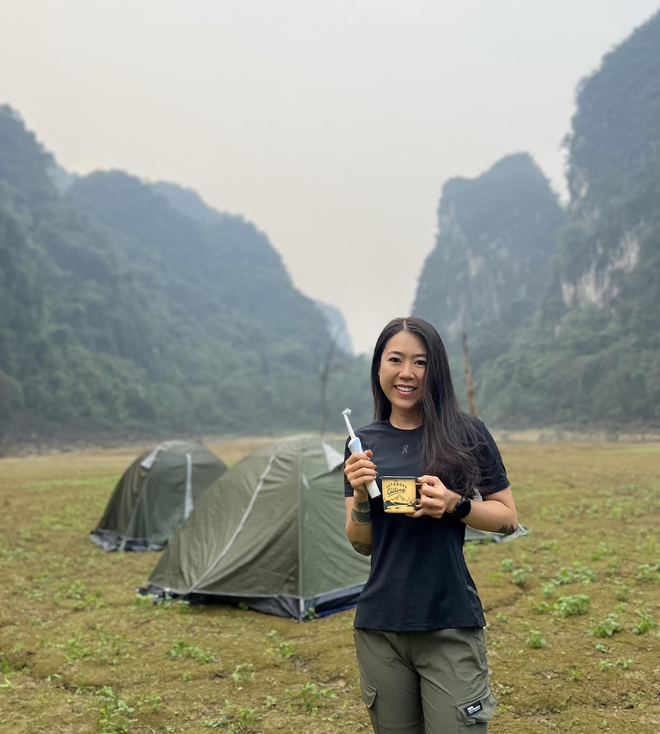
(462, 509)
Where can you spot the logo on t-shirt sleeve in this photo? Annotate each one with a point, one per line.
(473, 708)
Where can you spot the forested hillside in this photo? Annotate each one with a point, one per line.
(129, 302)
(592, 354)
(486, 274)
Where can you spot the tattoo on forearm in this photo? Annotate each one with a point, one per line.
(363, 549)
(508, 529)
(361, 513)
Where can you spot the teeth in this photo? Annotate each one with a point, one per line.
(404, 389)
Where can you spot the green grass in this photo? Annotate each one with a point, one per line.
(572, 610)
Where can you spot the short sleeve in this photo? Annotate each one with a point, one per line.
(348, 490)
(493, 472)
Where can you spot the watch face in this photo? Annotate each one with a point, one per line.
(463, 508)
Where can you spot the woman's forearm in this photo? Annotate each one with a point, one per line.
(493, 516)
(359, 529)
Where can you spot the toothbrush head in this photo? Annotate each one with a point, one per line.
(346, 413)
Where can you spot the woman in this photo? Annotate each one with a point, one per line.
(419, 623)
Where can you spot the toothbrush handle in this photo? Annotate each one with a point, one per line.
(355, 447)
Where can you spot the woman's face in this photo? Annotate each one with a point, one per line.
(401, 373)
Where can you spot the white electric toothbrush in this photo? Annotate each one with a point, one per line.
(355, 447)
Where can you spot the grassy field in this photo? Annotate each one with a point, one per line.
(572, 611)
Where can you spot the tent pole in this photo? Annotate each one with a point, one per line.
(188, 502)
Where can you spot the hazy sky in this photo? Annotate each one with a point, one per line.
(330, 124)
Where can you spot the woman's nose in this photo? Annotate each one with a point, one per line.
(406, 369)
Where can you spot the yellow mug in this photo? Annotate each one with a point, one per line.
(400, 494)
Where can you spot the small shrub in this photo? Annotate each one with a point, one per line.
(519, 577)
(312, 696)
(248, 716)
(549, 590)
(647, 572)
(536, 640)
(183, 650)
(507, 565)
(600, 552)
(243, 672)
(651, 545)
(218, 723)
(115, 714)
(287, 650)
(621, 593)
(617, 511)
(645, 624)
(75, 650)
(576, 573)
(607, 627)
(152, 701)
(570, 606)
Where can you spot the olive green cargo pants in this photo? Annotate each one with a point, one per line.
(425, 682)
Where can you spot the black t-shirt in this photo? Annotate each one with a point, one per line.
(419, 580)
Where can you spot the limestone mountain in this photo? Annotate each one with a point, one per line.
(126, 301)
(486, 274)
(593, 352)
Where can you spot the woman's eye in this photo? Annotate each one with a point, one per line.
(421, 362)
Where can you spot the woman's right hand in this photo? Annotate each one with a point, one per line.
(360, 469)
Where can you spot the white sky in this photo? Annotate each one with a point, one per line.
(330, 124)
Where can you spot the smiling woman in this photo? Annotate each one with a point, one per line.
(419, 622)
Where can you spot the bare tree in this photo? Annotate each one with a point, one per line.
(470, 388)
(324, 377)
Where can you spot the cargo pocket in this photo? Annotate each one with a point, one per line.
(477, 710)
(369, 694)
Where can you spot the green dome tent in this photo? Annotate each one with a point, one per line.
(155, 496)
(270, 533)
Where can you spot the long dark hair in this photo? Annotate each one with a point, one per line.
(450, 439)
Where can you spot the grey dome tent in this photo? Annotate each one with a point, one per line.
(155, 496)
(270, 533)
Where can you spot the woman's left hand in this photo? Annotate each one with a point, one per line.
(434, 498)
